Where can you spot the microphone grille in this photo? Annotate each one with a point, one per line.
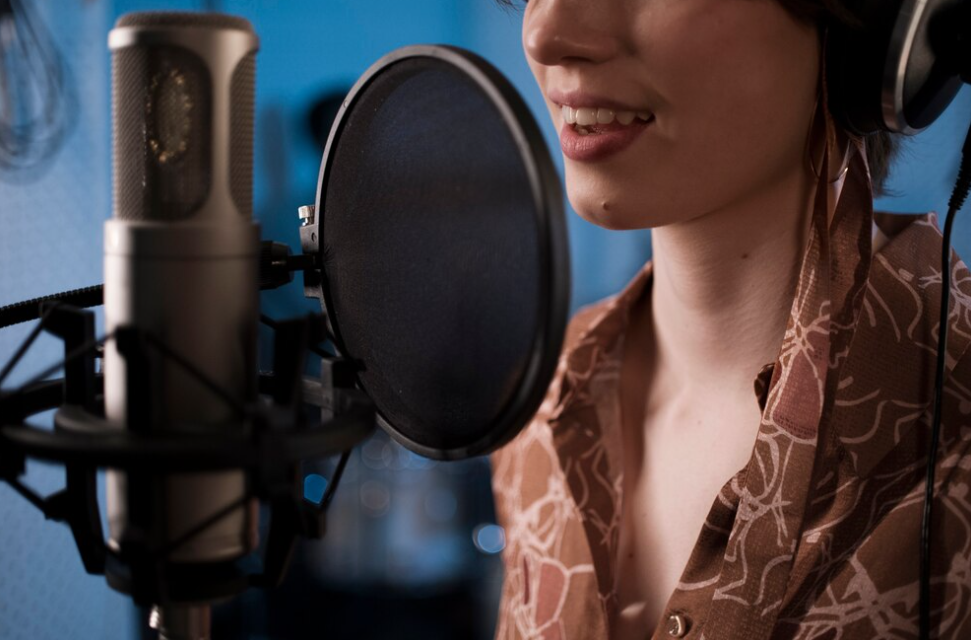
(170, 91)
(162, 113)
(243, 92)
(183, 19)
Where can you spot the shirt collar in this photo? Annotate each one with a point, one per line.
(602, 333)
(890, 351)
(887, 385)
(598, 336)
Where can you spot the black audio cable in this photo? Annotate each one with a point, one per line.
(959, 194)
(277, 265)
(31, 309)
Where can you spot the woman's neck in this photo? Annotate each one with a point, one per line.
(723, 288)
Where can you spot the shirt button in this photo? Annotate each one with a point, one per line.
(677, 625)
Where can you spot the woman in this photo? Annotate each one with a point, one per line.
(654, 495)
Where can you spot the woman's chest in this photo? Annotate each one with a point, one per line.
(670, 484)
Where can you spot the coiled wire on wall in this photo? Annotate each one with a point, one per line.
(36, 98)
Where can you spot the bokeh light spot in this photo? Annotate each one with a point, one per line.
(375, 498)
(489, 538)
(440, 505)
(314, 486)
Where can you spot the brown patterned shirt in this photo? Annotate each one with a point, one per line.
(818, 536)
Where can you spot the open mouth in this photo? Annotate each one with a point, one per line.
(589, 121)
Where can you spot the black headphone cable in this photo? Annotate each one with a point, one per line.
(960, 192)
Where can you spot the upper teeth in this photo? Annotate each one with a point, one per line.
(589, 116)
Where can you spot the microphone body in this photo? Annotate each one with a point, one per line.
(181, 269)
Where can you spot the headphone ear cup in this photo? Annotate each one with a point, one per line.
(884, 73)
(856, 56)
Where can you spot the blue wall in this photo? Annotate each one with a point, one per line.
(50, 240)
(50, 221)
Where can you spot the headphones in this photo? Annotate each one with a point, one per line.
(896, 68)
(899, 65)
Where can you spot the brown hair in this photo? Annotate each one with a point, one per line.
(881, 147)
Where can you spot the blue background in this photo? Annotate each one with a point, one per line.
(50, 240)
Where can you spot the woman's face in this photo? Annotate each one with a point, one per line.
(698, 104)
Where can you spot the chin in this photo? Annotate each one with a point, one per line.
(610, 209)
(608, 219)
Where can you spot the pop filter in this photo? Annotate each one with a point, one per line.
(445, 266)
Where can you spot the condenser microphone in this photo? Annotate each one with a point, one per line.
(181, 294)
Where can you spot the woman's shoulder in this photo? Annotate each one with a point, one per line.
(907, 248)
(590, 336)
(583, 321)
(907, 264)
(578, 329)
(889, 374)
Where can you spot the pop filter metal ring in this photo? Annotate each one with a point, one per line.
(547, 197)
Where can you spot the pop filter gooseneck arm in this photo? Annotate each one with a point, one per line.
(28, 310)
(277, 265)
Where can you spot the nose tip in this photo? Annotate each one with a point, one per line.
(563, 31)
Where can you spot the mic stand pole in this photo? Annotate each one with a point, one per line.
(191, 622)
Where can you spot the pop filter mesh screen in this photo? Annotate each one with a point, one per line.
(434, 253)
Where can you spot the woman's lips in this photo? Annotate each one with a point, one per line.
(603, 141)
